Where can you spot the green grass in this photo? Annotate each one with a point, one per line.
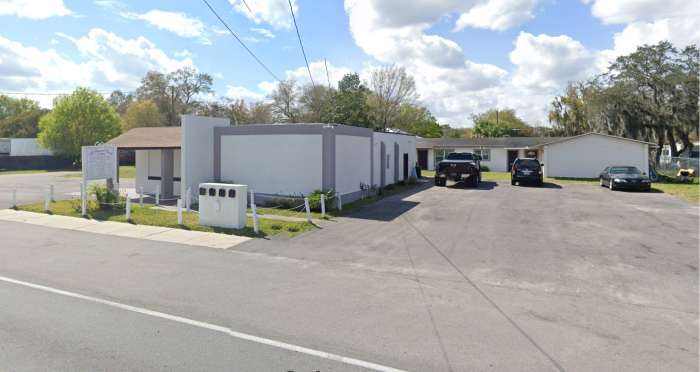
(7, 173)
(125, 171)
(153, 217)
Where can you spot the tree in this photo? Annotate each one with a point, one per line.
(120, 101)
(391, 88)
(19, 118)
(80, 119)
(316, 103)
(448, 132)
(143, 113)
(490, 129)
(506, 118)
(262, 113)
(419, 121)
(351, 107)
(285, 101)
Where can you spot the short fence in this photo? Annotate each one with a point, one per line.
(669, 166)
(11, 163)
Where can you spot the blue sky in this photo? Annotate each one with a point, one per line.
(467, 56)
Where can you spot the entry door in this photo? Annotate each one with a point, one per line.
(405, 166)
(512, 155)
(423, 159)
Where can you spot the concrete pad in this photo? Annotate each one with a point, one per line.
(217, 241)
(176, 236)
(105, 227)
(21, 216)
(4, 212)
(47, 220)
(72, 223)
(138, 231)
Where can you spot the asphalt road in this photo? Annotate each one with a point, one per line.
(570, 277)
(31, 188)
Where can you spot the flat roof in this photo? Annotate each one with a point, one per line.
(149, 138)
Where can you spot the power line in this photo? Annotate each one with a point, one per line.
(302, 46)
(246, 5)
(239, 40)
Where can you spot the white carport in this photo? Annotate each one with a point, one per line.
(585, 156)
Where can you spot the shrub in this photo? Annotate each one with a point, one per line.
(412, 180)
(77, 205)
(106, 197)
(485, 168)
(390, 186)
(401, 183)
(315, 199)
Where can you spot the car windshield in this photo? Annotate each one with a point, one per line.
(623, 170)
(528, 164)
(459, 156)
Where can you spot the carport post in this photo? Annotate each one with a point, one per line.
(128, 208)
(308, 211)
(141, 197)
(179, 212)
(323, 205)
(14, 197)
(48, 199)
(157, 194)
(255, 217)
(51, 190)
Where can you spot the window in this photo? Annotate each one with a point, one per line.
(440, 154)
(485, 154)
(388, 157)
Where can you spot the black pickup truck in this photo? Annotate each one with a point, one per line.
(459, 166)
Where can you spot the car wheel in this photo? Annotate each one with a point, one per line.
(601, 182)
(437, 181)
(512, 182)
(541, 184)
(611, 185)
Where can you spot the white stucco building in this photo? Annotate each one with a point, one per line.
(583, 156)
(290, 159)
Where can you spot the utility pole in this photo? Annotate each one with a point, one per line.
(172, 107)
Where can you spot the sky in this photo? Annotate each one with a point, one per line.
(467, 56)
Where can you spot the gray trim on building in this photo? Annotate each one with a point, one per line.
(382, 164)
(167, 165)
(396, 162)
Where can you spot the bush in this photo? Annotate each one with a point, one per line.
(106, 197)
(412, 180)
(401, 183)
(485, 168)
(390, 186)
(315, 199)
(77, 205)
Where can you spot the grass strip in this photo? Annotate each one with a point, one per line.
(35, 171)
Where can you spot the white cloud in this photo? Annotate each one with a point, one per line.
(318, 71)
(180, 23)
(53, 42)
(185, 53)
(33, 9)
(243, 93)
(264, 32)
(252, 39)
(629, 11)
(110, 4)
(267, 87)
(110, 63)
(498, 15)
(276, 13)
(219, 31)
(218, 75)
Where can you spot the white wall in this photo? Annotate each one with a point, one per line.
(407, 145)
(587, 156)
(352, 162)
(148, 164)
(273, 164)
(197, 164)
(27, 147)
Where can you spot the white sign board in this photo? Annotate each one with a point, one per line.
(99, 162)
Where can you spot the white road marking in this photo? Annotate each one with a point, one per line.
(232, 333)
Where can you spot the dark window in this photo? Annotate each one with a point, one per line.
(459, 156)
(623, 170)
(231, 193)
(212, 192)
(222, 193)
(527, 163)
(202, 191)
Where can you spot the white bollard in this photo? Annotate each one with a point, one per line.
(128, 208)
(308, 211)
(157, 194)
(141, 197)
(340, 202)
(14, 197)
(189, 198)
(84, 200)
(179, 212)
(323, 205)
(48, 199)
(81, 190)
(51, 191)
(252, 197)
(116, 187)
(255, 218)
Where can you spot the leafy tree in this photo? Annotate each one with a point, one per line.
(418, 120)
(392, 87)
(120, 101)
(316, 103)
(262, 113)
(143, 113)
(19, 118)
(285, 101)
(490, 129)
(506, 118)
(351, 106)
(449, 132)
(10, 107)
(80, 119)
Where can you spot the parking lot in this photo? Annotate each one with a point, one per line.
(568, 277)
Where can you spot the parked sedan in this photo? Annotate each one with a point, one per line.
(526, 170)
(624, 177)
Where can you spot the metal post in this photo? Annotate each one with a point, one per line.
(179, 212)
(252, 197)
(308, 211)
(128, 208)
(189, 199)
(323, 205)
(157, 194)
(255, 217)
(14, 197)
(48, 199)
(340, 202)
(51, 191)
(141, 197)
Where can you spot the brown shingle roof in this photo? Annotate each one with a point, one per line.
(149, 138)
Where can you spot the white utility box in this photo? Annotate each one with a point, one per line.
(223, 205)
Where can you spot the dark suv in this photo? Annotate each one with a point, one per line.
(526, 170)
